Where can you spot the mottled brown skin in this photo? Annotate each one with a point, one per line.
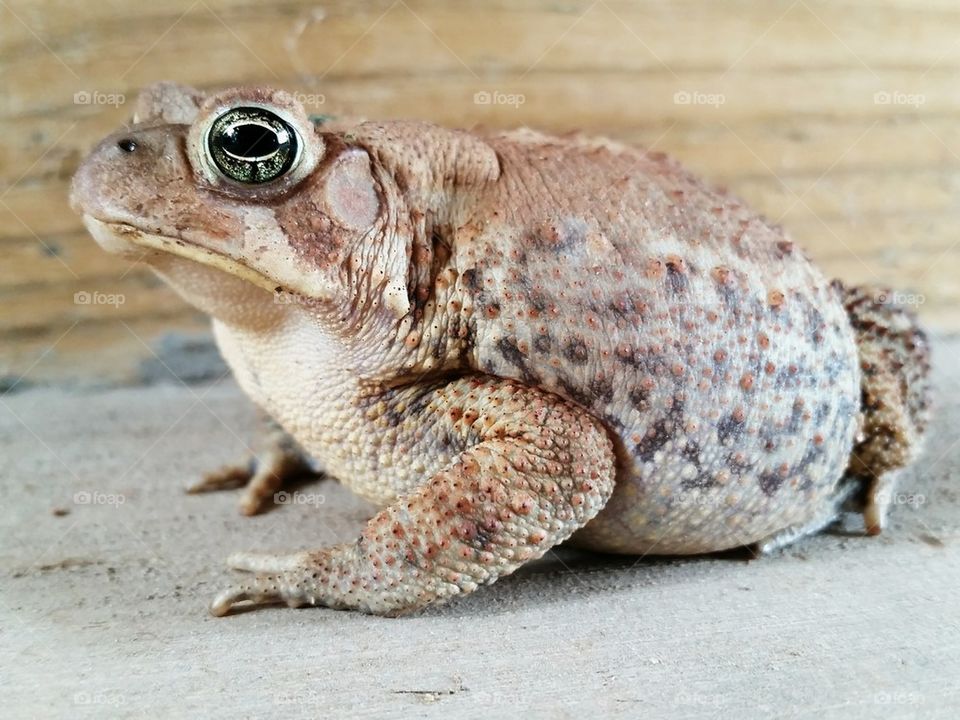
(508, 340)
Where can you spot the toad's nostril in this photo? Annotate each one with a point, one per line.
(127, 145)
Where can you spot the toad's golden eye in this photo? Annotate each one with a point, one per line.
(252, 145)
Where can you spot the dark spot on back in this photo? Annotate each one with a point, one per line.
(691, 452)
(796, 415)
(512, 354)
(813, 453)
(657, 436)
(471, 279)
(676, 277)
(738, 465)
(639, 398)
(770, 482)
(602, 389)
(576, 351)
(731, 298)
(542, 343)
(628, 357)
(575, 392)
(823, 409)
(729, 427)
(538, 301)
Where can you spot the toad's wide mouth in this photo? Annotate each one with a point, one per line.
(121, 237)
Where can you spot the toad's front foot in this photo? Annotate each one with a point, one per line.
(278, 460)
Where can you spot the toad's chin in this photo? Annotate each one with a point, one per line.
(123, 239)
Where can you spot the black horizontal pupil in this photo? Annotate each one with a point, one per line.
(250, 140)
(252, 145)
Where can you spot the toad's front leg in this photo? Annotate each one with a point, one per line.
(277, 459)
(538, 469)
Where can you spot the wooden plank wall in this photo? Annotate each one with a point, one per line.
(837, 118)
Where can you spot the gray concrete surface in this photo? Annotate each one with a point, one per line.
(108, 568)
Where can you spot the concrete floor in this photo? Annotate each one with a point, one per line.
(108, 568)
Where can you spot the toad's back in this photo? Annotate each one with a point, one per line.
(721, 360)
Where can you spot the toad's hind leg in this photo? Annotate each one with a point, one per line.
(895, 364)
(534, 470)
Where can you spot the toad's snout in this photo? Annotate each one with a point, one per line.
(141, 178)
(112, 183)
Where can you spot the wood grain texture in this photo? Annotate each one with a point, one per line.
(837, 119)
